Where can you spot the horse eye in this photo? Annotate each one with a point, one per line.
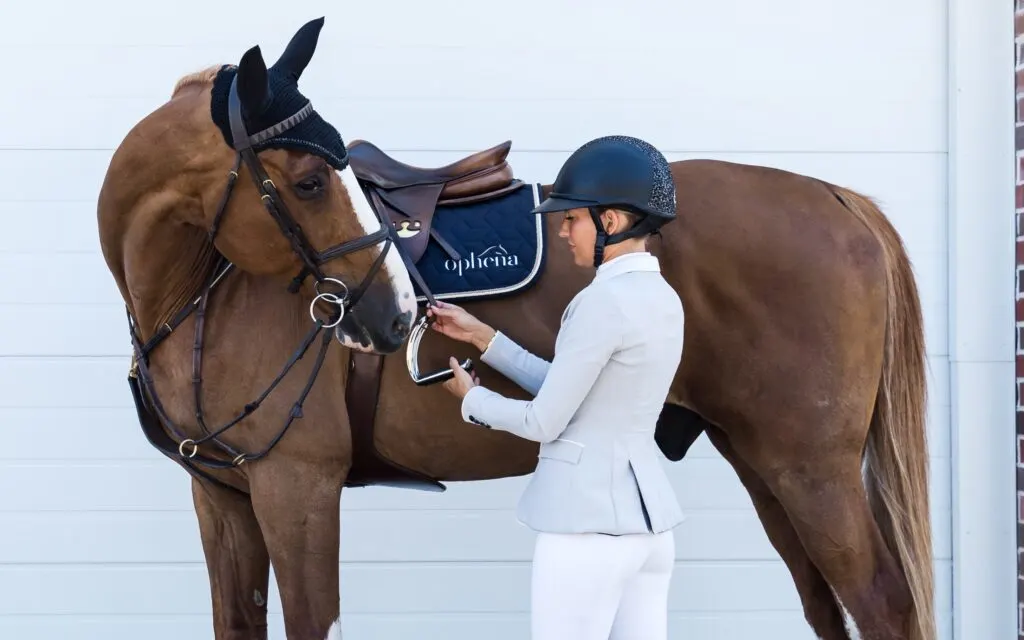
(309, 188)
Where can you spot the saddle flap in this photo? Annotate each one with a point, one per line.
(411, 210)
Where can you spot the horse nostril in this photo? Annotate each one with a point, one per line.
(401, 326)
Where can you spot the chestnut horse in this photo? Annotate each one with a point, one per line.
(237, 234)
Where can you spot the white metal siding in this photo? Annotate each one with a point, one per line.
(97, 536)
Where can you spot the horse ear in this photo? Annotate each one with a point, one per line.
(300, 49)
(253, 84)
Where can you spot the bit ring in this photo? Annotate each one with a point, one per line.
(333, 299)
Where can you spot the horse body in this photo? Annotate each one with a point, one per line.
(803, 351)
(786, 284)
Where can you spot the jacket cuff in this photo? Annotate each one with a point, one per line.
(502, 354)
(493, 348)
(490, 344)
(471, 403)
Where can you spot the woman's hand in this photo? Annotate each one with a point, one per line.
(458, 324)
(460, 385)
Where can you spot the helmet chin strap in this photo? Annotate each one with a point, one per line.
(602, 237)
(646, 225)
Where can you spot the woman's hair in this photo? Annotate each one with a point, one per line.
(633, 217)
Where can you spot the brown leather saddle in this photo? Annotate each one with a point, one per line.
(409, 196)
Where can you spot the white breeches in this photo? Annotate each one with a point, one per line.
(600, 587)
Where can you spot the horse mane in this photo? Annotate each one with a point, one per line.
(203, 77)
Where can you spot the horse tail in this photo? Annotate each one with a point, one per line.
(896, 451)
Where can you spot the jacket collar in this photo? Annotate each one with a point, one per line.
(641, 261)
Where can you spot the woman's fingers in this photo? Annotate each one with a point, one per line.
(455, 315)
(443, 312)
(448, 308)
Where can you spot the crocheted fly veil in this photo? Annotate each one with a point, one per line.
(270, 96)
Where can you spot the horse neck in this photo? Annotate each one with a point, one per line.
(171, 262)
(149, 207)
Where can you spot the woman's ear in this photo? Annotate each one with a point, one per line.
(608, 220)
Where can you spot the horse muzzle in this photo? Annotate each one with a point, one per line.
(375, 323)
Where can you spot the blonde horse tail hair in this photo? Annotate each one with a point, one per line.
(897, 447)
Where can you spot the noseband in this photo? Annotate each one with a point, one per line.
(152, 415)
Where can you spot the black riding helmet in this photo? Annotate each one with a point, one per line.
(615, 172)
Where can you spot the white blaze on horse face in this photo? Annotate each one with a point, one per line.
(401, 283)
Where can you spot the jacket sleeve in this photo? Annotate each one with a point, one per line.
(586, 341)
(516, 363)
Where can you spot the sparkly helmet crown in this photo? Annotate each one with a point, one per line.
(615, 171)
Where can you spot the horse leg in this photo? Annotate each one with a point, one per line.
(236, 561)
(298, 507)
(821, 610)
(829, 508)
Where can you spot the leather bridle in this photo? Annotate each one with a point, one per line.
(311, 258)
(152, 415)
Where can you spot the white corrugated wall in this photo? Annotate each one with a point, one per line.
(97, 536)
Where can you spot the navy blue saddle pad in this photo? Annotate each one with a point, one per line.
(500, 242)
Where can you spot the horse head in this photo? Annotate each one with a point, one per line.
(240, 158)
